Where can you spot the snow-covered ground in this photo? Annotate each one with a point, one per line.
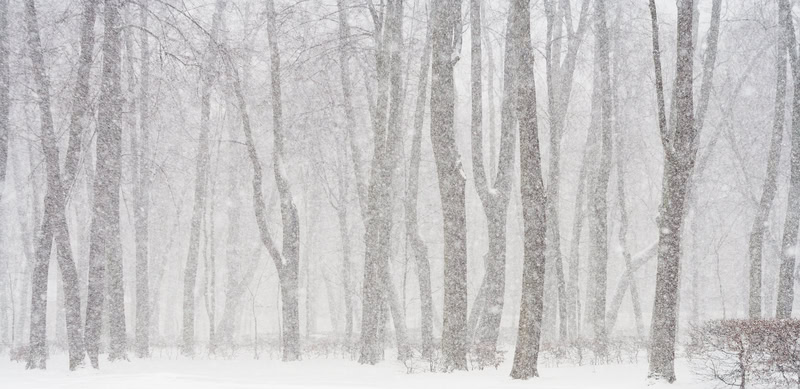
(319, 373)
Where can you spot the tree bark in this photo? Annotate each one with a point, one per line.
(54, 224)
(679, 151)
(142, 202)
(785, 298)
(598, 209)
(494, 196)
(533, 203)
(105, 253)
(770, 187)
(445, 45)
(201, 181)
(420, 250)
(288, 270)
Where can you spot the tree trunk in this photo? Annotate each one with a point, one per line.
(105, 255)
(54, 224)
(770, 186)
(201, 182)
(378, 222)
(288, 270)
(494, 196)
(785, 299)
(533, 202)
(141, 200)
(420, 250)
(680, 151)
(598, 209)
(446, 20)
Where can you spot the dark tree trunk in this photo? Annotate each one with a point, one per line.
(679, 151)
(105, 253)
(533, 203)
(54, 224)
(445, 45)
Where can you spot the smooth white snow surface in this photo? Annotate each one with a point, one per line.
(159, 373)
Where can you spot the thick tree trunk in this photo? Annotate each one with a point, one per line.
(785, 299)
(105, 254)
(54, 224)
(378, 222)
(533, 203)
(445, 45)
(680, 151)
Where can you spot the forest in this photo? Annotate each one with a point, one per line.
(369, 193)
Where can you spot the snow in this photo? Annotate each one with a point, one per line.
(321, 373)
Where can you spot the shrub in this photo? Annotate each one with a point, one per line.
(747, 353)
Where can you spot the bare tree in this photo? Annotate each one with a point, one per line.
(201, 180)
(445, 46)
(494, 195)
(54, 224)
(598, 226)
(792, 221)
(534, 204)
(412, 225)
(141, 209)
(680, 149)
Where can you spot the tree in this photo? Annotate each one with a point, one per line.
(598, 208)
(141, 195)
(445, 46)
(680, 149)
(201, 181)
(419, 248)
(54, 223)
(105, 253)
(792, 221)
(378, 289)
(533, 202)
(494, 196)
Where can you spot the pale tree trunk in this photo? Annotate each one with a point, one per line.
(785, 298)
(4, 132)
(488, 308)
(105, 253)
(54, 224)
(526, 353)
(559, 84)
(445, 46)
(347, 92)
(288, 264)
(201, 181)
(622, 234)
(770, 187)
(679, 156)
(420, 250)
(141, 200)
(598, 209)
